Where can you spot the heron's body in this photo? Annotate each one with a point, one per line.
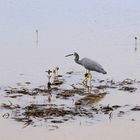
(89, 64)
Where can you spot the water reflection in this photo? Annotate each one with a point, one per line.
(91, 99)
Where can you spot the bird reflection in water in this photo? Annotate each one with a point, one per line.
(90, 99)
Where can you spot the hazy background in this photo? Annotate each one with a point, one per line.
(102, 30)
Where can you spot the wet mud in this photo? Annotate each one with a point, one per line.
(56, 105)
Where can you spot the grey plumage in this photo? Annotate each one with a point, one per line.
(88, 64)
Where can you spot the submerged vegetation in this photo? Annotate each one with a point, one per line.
(51, 104)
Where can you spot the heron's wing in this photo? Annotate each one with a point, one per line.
(90, 64)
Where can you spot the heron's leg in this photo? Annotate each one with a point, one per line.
(87, 71)
(89, 82)
(85, 78)
(90, 78)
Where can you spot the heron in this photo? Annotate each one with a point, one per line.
(88, 64)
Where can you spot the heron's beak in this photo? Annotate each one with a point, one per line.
(68, 55)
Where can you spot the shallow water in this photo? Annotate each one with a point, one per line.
(118, 69)
(102, 31)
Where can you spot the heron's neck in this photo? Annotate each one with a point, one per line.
(77, 59)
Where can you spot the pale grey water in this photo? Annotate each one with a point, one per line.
(103, 31)
(30, 63)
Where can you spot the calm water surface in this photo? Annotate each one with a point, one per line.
(101, 30)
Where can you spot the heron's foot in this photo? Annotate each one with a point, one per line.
(84, 82)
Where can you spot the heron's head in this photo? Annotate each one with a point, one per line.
(75, 54)
(76, 57)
